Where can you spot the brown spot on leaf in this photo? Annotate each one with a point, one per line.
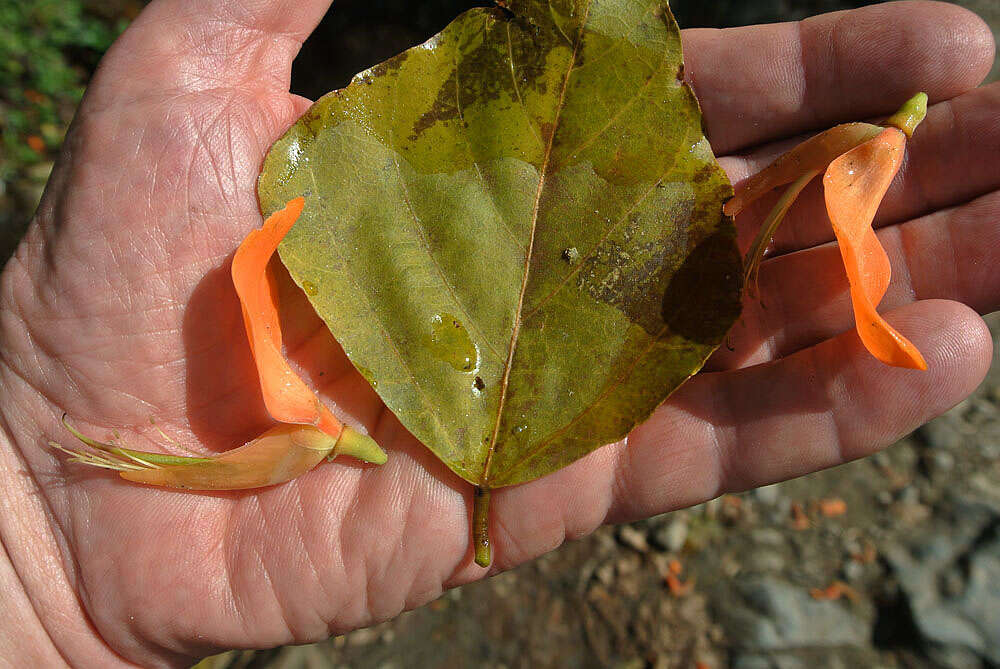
(486, 74)
(714, 262)
(634, 279)
(390, 65)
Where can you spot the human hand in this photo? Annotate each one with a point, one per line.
(118, 307)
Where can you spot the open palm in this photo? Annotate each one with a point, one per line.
(118, 307)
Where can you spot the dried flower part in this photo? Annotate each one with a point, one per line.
(814, 154)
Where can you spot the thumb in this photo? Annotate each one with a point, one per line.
(188, 46)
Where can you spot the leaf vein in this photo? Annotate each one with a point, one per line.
(531, 243)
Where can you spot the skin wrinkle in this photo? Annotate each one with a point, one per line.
(416, 592)
(5, 545)
(337, 604)
(46, 647)
(548, 527)
(334, 570)
(835, 77)
(726, 435)
(768, 311)
(252, 610)
(956, 275)
(283, 612)
(901, 280)
(922, 183)
(357, 521)
(910, 236)
(66, 564)
(230, 557)
(81, 379)
(603, 512)
(210, 556)
(420, 589)
(297, 520)
(836, 395)
(505, 545)
(33, 347)
(572, 495)
(621, 474)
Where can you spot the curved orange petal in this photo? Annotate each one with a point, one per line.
(287, 397)
(854, 185)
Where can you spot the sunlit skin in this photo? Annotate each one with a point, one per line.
(119, 306)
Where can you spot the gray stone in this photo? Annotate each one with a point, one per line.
(909, 495)
(940, 433)
(776, 615)
(943, 461)
(768, 536)
(671, 536)
(632, 538)
(767, 495)
(957, 620)
(752, 662)
(853, 571)
(764, 561)
(990, 449)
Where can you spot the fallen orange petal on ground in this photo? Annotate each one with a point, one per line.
(677, 587)
(800, 521)
(832, 506)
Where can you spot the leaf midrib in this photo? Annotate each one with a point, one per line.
(542, 173)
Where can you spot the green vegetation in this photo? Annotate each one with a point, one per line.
(48, 50)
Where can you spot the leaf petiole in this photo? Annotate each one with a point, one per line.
(480, 527)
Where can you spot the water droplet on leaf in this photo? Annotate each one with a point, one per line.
(449, 342)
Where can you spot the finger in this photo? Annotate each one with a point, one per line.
(179, 46)
(764, 82)
(951, 255)
(950, 160)
(818, 408)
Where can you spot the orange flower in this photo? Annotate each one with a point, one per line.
(860, 160)
(306, 433)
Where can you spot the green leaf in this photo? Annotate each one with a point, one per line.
(515, 230)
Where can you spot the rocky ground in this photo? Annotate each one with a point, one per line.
(893, 561)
